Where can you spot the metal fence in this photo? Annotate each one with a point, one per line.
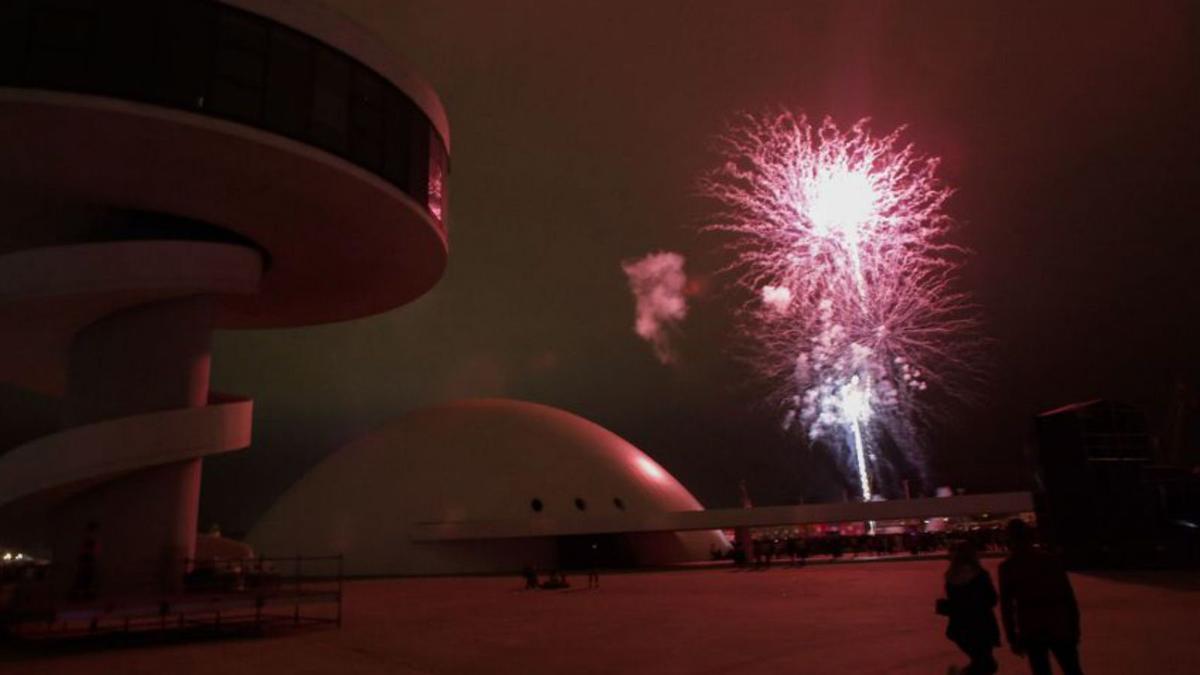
(252, 594)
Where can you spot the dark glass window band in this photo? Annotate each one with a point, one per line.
(212, 59)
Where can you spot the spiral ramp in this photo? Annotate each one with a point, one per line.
(51, 301)
(81, 456)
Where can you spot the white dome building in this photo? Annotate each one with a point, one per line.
(565, 483)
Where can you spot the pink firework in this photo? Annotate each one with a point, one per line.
(841, 238)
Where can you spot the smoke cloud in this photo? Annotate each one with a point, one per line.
(658, 284)
(778, 298)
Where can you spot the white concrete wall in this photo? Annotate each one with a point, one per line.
(471, 461)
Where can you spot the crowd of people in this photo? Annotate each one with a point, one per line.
(767, 549)
(555, 579)
(1038, 611)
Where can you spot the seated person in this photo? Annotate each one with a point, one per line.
(556, 580)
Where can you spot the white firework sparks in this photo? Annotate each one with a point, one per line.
(842, 239)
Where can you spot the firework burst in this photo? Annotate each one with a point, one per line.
(841, 238)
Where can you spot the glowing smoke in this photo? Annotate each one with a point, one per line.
(778, 298)
(658, 283)
(841, 237)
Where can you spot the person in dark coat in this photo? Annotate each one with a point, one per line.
(969, 603)
(529, 574)
(86, 564)
(594, 565)
(1038, 605)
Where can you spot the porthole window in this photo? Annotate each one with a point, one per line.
(536, 504)
(580, 504)
(619, 503)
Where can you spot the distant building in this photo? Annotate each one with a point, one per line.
(1099, 496)
(1181, 440)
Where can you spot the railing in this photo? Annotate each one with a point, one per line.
(219, 595)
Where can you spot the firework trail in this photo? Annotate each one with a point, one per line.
(842, 240)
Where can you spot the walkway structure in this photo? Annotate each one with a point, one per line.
(171, 168)
(995, 504)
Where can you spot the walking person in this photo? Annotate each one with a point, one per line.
(1038, 605)
(593, 567)
(969, 602)
(86, 564)
(529, 574)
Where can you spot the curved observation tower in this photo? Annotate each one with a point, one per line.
(172, 167)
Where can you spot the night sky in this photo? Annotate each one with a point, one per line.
(578, 132)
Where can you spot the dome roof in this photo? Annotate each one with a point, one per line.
(491, 459)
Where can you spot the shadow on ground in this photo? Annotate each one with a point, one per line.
(1175, 580)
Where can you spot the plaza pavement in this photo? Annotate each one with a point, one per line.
(844, 618)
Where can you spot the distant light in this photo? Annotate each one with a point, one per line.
(7, 556)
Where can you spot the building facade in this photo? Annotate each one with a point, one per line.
(173, 168)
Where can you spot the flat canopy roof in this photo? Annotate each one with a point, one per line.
(539, 525)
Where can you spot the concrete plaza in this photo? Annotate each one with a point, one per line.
(823, 618)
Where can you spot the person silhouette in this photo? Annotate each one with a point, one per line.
(529, 574)
(1038, 605)
(970, 597)
(593, 566)
(86, 564)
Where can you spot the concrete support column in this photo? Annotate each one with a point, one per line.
(155, 357)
